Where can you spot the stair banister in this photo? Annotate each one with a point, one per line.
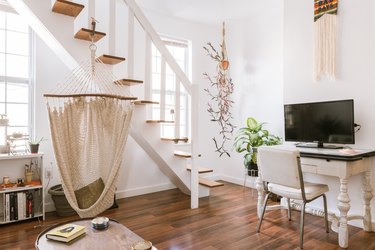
(159, 44)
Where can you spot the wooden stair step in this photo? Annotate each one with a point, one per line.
(209, 183)
(108, 59)
(159, 121)
(144, 102)
(129, 82)
(67, 8)
(175, 140)
(200, 170)
(84, 34)
(182, 154)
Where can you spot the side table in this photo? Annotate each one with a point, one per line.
(117, 236)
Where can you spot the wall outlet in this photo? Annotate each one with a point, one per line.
(49, 174)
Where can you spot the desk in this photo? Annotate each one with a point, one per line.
(342, 164)
(116, 236)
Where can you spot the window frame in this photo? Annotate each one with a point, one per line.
(155, 54)
(28, 81)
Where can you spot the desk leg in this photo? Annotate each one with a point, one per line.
(343, 206)
(367, 196)
(259, 186)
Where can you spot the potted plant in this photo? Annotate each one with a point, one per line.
(249, 138)
(34, 145)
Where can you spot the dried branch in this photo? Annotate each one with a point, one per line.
(220, 113)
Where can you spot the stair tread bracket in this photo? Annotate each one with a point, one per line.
(129, 82)
(209, 183)
(67, 8)
(200, 170)
(85, 34)
(108, 59)
(144, 102)
(182, 154)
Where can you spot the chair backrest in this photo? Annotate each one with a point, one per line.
(280, 166)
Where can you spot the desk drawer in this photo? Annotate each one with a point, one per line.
(323, 167)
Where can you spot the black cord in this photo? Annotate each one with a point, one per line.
(355, 127)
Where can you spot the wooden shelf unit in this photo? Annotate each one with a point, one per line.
(13, 166)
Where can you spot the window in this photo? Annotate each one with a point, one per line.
(15, 75)
(180, 51)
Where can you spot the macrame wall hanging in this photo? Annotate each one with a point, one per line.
(220, 93)
(325, 23)
(89, 118)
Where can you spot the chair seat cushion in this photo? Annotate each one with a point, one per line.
(312, 190)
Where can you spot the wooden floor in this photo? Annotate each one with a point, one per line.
(225, 220)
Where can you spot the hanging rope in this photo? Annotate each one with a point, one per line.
(89, 118)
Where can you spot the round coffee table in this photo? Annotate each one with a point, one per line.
(116, 236)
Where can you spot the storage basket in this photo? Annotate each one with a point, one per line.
(61, 203)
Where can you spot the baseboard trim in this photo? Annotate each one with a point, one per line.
(249, 182)
(143, 190)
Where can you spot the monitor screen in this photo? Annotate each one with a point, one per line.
(322, 122)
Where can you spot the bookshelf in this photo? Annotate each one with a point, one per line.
(21, 198)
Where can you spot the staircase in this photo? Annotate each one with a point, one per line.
(179, 166)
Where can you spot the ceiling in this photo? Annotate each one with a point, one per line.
(208, 11)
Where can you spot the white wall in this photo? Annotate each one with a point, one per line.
(255, 49)
(355, 72)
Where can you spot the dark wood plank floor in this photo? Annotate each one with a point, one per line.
(225, 220)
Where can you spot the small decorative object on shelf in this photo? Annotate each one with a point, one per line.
(34, 145)
(3, 120)
(17, 143)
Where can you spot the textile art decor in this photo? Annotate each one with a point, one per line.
(325, 23)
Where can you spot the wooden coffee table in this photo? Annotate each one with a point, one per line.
(116, 236)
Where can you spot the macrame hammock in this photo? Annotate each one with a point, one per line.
(325, 25)
(89, 118)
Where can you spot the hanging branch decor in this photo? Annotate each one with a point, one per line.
(220, 94)
(325, 22)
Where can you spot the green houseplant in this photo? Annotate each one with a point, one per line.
(249, 138)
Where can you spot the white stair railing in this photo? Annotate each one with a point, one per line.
(167, 58)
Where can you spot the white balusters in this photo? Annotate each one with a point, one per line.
(131, 44)
(163, 91)
(177, 111)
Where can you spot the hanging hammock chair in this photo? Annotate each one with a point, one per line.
(89, 118)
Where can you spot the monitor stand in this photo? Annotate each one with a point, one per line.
(317, 145)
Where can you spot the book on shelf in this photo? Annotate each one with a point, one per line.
(66, 233)
(16, 206)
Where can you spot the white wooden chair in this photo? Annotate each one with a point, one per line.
(281, 174)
